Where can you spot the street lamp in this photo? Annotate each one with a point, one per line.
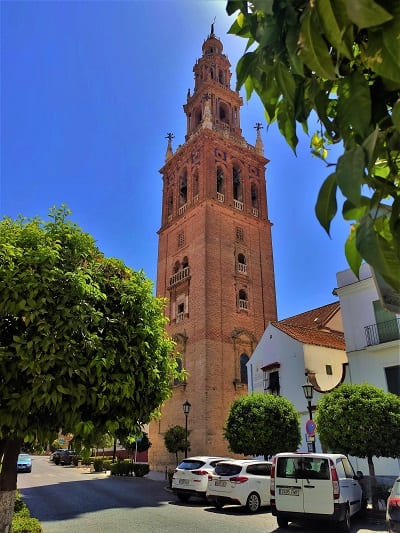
(308, 393)
(186, 410)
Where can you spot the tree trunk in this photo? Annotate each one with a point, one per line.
(372, 480)
(8, 483)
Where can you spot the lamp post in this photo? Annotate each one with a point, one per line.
(308, 393)
(186, 410)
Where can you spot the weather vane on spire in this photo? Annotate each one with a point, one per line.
(212, 26)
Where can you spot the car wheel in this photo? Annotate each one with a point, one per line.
(282, 522)
(344, 525)
(218, 504)
(183, 497)
(253, 502)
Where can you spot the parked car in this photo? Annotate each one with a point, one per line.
(191, 476)
(24, 463)
(393, 508)
(66, 457)
(315, 486)
(56, 455)
(240, 482)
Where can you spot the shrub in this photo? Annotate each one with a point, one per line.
(106, 464)
(122, 468)
(98, 465)
(24, 524)
(141, 469)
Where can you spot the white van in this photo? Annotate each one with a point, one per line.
(321, 486)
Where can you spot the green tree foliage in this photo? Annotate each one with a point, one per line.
(262, 424)
(82, 339)
(175, 440)
(360, 420)
(340, 59)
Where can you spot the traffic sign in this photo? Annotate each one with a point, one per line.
(311, 427)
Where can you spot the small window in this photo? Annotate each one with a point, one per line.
(271, 382)
(393, 379)
(243, 301)
(254, 196)
(181, 308)
(185, 262)
(220, 181)
(241, 259)
(237, 184)
(243, 368)
(177, 267)
(183, 190)
(181, 239)
(239, 234)
(328, 370)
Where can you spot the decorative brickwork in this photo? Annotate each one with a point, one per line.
(222, 297)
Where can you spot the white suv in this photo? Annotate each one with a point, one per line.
(241, 483)
(191, 476)
(315, 486)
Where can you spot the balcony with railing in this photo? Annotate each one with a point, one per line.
(242, 268)
(182, 209)
(243, 304)
(179, 276)
(383, 332)
(238, 205)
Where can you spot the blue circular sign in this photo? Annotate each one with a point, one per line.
(310, 428)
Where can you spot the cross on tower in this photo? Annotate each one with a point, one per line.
(170, 136)
(258, 126)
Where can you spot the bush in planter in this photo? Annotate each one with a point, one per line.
(98, 465)
(141, 469)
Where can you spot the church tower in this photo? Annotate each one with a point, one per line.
(215, 263)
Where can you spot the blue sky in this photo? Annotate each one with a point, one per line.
(89, 90)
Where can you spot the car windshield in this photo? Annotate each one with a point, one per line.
(227, 469)
(191, 464)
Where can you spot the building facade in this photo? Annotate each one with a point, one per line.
(372, 342)
(215, 263)
(309, 345)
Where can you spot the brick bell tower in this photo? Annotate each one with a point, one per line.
(215, 261)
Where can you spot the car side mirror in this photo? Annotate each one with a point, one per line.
(359, 475)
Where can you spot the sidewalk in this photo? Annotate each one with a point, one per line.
(156, 476)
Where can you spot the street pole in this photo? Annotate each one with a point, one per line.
(186, 435)
(310, 414)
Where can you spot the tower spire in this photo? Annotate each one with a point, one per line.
(169, 152)
(259, 143)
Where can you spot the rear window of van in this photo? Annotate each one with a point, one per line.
(227, 469)
(303, 468)
(191, 465)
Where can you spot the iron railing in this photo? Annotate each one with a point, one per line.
(383, 332)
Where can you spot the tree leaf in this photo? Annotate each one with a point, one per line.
(350, 173)
(352, 254)
(314, 50)
(287, 124)
(366, 13)
(354, 104)
(378, 252)
(286, 82)
(234, 5)
(243, 68)
(326, 205)
(335, 23)
(396, 115)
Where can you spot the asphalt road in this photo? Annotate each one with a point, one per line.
(68, 499)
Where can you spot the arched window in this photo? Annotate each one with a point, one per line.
(223, 113)
(237, 184)
(221, 77)
(185, 262)
(220, 180)
(183, 189)
(241, 259)
(243, 301)
(254, 196)
(212, 73)
(177, 267)
(195, 183)
(170, 205)
(241, 264)
(198, 116)
(243, 368)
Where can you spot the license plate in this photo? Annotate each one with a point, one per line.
(220, 483)
(289, 491)
(183, 482)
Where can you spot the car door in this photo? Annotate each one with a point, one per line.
(317, 486)
(350, 488)
(289, 484)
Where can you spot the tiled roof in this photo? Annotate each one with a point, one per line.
(308, 327)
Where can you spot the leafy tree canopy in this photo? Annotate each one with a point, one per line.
(340, 59)
(82, 340)
(360, 420)
(262, 424)
(175, 440)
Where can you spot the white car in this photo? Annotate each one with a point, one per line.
(319, 486)
(240, 482)
(191, 476)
